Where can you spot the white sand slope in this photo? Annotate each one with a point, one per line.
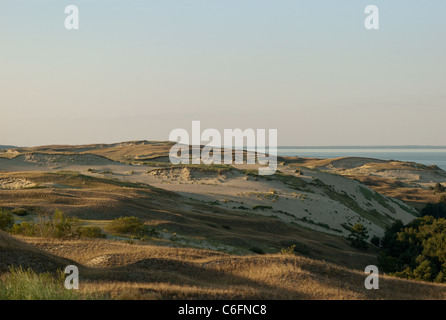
(326, 202)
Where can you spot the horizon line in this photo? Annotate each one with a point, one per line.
(279, 146)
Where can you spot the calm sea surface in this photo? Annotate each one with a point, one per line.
(424, 155)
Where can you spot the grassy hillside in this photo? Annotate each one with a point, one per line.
(14, 252)
(180, 221)
(118, 270)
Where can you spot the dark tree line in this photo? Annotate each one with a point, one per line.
(436, 210)
(416, 250)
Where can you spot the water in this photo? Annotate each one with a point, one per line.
(423, 155)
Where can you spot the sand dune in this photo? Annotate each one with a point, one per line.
(228, 214)
(313, 198)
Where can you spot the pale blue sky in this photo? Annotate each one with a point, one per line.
(138, 69)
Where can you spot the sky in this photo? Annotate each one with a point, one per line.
(135, 70)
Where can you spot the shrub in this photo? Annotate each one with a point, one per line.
(375, 241)
(261, 207)
(128, 226)
(20, 212)
(439, 188)
(289, 250)
(91, 232)
(63, 226)
(299, 172)
(436, 210)
(257, 250)
(358, 236)
(6, 219)
(25, 229)
(60, 226)
(297, 246)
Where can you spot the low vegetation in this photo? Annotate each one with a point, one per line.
(358, 237)
(436, 210)
(439, 188)
(130, 226)
(372, 195)
(289, 250)
(59, 226)
(262, 207)
(20, 212)
(6, 219)
(20, 284)
(91, 232)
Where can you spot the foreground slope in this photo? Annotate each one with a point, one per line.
(132, 271)
(14, 252)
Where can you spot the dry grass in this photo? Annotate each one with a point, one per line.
(14, 252)
(122, 271)
(99, 201)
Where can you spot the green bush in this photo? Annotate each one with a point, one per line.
(358, 236)
(127, 226)
(91, 232)
(60, 226)
(64, 227)
(6, 219)
(28, 229)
